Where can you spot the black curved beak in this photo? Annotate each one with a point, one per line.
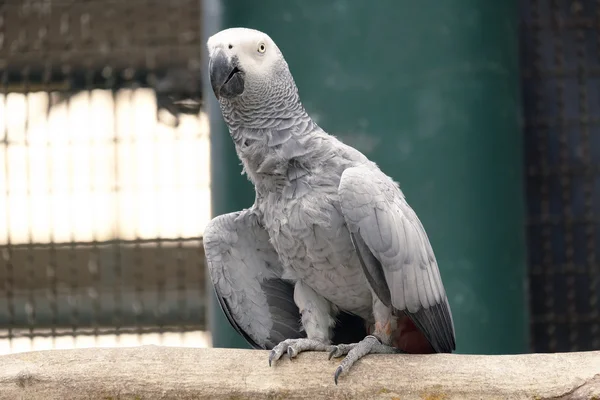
(226, 78)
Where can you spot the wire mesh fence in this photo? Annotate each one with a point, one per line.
(103, 168)
(561, 85)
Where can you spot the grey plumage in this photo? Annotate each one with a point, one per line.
(396, 243)
(256, 301)
(326, 222)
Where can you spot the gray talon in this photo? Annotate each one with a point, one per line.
(338, 372)
(290, 352)
(271, 356)
(332, 352)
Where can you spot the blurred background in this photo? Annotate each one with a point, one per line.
(113, 157)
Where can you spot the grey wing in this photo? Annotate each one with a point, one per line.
(246, 274)
(395, 252)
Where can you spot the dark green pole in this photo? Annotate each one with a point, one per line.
(430, 91)
(230, 191)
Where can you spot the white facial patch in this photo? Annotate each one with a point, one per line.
(235, 37)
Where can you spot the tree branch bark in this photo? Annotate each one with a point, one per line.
(154, 372)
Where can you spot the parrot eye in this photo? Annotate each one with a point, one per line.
(261, 48)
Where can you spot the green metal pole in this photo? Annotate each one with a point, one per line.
(230, 191)
(430, 91)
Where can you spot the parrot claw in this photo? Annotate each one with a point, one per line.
(271, 357)
(293, 347)
(356, 351)
(291, 353)
(337, 374)
(340, 350)
(332, 352)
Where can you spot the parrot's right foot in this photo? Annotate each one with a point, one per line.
(295, 346)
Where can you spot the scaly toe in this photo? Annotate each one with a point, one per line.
(295, 346)
(341, 350)
(355, 351)
(278, 351)
(272, 356)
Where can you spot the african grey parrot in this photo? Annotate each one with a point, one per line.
(330, 257)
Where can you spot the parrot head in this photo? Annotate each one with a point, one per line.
(246, 63)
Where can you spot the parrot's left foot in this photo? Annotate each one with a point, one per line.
(356, 351)
(295, 346)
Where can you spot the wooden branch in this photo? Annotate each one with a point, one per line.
(153, 372)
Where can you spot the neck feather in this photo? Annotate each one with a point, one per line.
(273, 138)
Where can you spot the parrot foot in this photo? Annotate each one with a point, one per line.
(295, 346)
(355, 351)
